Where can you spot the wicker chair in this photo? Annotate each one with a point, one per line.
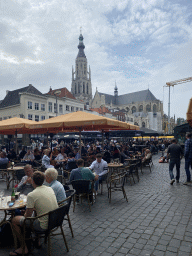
(116, 182)
(82, 188)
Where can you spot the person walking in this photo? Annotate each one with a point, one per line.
(188, 157)
(174, 153)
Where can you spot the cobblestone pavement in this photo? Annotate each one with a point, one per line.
(156, 220)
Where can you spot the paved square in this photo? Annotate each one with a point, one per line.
(156, 220)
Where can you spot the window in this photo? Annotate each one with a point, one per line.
(36, 106)
(148, 108)
(133, 110)
(67, 107)
(50, 106)
(75, 88)
(21, 116)
(140, 108)
(87, 88)
(42, 117)
(36, 118)
(81, 109)
(78, 87)
(61, 109)
(55, 108)
(43, 107)
(84, 69)
(83, 87)
(30, 117)
(77, 108)
(29, 105)
(72, 109)
(143, 124)
(154, 108)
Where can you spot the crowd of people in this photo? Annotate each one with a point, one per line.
(44, 191)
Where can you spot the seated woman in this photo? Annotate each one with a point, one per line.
(46, 159)
(51, 178)
(54, 153)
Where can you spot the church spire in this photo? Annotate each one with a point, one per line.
(115, 90)
(81, 46)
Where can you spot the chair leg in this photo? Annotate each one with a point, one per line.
(124, 193)
(89, 202)
(74, 201)
(49, 245)
(64, 238)
(70, 226)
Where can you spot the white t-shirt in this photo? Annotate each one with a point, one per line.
(43, 199)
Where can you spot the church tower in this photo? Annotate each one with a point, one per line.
(81, 87)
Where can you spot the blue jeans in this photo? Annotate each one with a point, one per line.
(172, 163)
(187, 164)
(101, 178)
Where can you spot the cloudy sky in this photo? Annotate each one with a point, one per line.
(139, 43)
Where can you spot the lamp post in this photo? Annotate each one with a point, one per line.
(56, 93)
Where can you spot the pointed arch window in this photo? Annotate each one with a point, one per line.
(75, 88)
(83, 87)
(140, 108)
(84, 69)
(134, 109)
(154, 108)
(148, 108)
(87, 88)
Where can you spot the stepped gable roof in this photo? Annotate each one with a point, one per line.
(13, 97)
(128, 98)
(64, 92)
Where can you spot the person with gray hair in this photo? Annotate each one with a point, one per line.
(25, 185)
(51, 178)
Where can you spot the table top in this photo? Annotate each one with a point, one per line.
(115, 164)
(18, 203)
(15, 168)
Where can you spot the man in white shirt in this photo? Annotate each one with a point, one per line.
(42, 199)
(100, 167)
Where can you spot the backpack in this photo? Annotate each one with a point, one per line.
(6, 235)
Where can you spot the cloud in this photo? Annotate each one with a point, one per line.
(136, 43)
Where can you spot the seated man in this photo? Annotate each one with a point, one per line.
(42, 199)
(100, 167)
(3, 158)
(29, 157)
(25, 185)
(51, 178)
(82, 173)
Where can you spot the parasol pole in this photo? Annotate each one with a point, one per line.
(102, 139)
(16, 141)
(80, 141)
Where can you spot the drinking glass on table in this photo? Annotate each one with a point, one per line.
(21, 198)
(1, 195)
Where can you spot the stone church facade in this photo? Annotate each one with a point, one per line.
(141, 108)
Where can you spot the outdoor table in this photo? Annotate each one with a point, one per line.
(12, 170)
(113, 167)
(9, 211)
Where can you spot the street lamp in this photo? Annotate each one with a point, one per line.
(56, 93)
